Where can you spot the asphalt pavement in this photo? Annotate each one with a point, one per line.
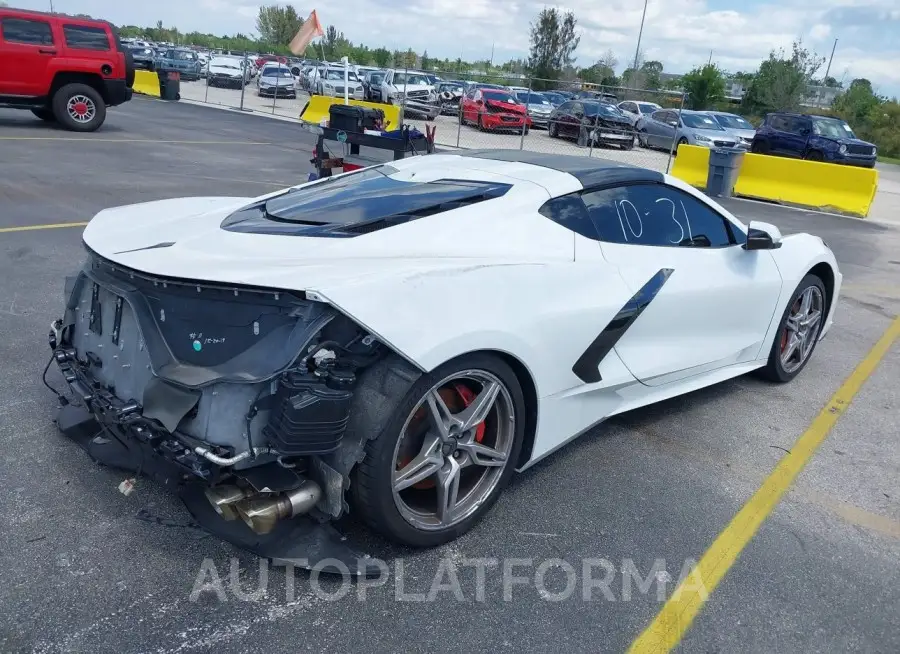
(87, 569)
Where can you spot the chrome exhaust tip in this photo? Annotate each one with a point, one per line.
(262, 514)
(223, 499)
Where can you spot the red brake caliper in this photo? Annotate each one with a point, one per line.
(468, 397)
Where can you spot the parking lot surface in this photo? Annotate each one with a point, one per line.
(87, 569)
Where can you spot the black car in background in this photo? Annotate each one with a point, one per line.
(449, 95)
(592, 121)
(371, 83)
(143, 57)
(815, 138)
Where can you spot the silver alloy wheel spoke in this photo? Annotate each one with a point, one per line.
(802, 328)
(477, 412)
(439, 415)
(426, 463)
(447, 490)
(483, 455)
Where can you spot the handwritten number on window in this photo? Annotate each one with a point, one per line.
(624, 218)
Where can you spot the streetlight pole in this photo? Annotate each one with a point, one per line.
(637, 50)
(830, 59)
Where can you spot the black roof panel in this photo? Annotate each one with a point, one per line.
(587, 170)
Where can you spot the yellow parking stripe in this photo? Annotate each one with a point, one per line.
(677, 614)
(31, 228)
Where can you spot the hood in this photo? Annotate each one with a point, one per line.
(505, 106)
(183, 239)
(236, 72)
(744, 134)
(540, 108)
(603, 119)
(413, 87)
(276, 81)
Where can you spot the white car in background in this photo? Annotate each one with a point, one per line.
(330, 81)
(635, 109)
(227, 72)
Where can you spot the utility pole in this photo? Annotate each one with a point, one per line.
(709, 63)
(51, 6)
(492, 55)
(830, 59)
(637, 50)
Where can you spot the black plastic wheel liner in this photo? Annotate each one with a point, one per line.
(302, 541)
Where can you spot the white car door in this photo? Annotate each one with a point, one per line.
(701, 301)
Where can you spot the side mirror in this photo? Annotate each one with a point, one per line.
(673, 123)
(762, 236)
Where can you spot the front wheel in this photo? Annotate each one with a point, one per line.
(552, 130)
(78, 107)
(446, 453)
(798, 331)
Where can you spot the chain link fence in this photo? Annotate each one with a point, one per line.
(474, 111)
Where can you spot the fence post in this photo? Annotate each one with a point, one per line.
(403, 101)
(459, 117)
(275, 92)
(243, 85)
(527, 114)
(206, 95)
(675, 138)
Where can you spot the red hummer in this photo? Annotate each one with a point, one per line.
(62, 68)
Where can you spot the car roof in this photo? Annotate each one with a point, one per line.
(587, 170)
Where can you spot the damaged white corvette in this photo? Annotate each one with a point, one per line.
(395, 342)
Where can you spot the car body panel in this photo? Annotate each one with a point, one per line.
(544, 291)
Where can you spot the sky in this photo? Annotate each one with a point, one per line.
(679, 33)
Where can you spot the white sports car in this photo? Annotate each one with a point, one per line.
(395, 342)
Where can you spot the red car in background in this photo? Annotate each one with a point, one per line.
(264, 58)
(493, 109)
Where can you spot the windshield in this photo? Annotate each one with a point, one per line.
(530, 97)
(499, 96)
(701, 121)
(410, 78)
(832, 128)
(594, 108)
(733, 122)
(271, 71)
(224, 63)
(335, 74)
(648, 107)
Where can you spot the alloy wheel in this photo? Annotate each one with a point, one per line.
(453, 449)
(801, 328)
(81, 108)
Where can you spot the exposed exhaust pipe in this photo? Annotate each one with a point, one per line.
(262, 513)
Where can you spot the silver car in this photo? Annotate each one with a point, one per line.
(637, 110)
(662, 128)
(735, 125)
(331, 82)
(538, 105)
(276, 81)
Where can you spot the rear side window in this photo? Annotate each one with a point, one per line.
(570, 212)
(32, 32)
(81, 37)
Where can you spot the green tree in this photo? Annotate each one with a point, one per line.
(553, 44)
(278, 24)
(426, 62)
(858, 104)
(651, 71)
(382, 57)
(783, 80)
(603, 71)
(705, 86)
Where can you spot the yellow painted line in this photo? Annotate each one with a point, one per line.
(677, 614)
(103, 140)
(31, 228)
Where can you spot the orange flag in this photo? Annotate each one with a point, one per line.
(310, 30)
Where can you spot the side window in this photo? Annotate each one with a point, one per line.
(32, 32)
(85, 38)
(564, 108)
(659, 116)
(656, 214)
(798, 125)
(780, 123)
(570, 212)
(578, 109)
(630, 106)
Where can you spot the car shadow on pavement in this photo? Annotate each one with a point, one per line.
(26, 121)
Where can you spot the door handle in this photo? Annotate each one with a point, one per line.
(47, 51)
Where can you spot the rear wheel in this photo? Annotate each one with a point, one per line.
(480, 124)
(552, 130)
(798, 331)
(44, 114)
(759, 147)
(814, 155)
(79, 107)
(446, 453)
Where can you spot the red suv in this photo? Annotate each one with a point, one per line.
(62, 68)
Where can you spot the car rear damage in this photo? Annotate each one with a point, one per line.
(240, 396)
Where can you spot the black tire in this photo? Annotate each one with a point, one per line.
(814, 155)
(774, 370)
(44, 114)
(129, 68)
(371, 481)
(552, 130)
(629, 145)
(759, 147)
(60, 107)
(642, 140)
(480, 124)
(429, 119)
